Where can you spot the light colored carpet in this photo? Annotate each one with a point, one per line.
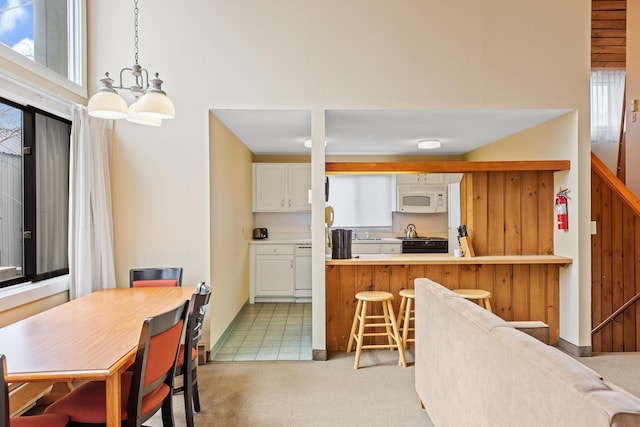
(307, 393)
(331, 393)
(622, 369)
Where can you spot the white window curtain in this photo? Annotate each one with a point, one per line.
(607, 94)
(52, 199)
(91, 262)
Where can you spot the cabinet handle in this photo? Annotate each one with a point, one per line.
(289, 202)
(291, 263)
(282, 203)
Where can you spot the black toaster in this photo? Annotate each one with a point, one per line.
(260, 233)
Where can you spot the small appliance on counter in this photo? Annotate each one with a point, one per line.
(425, 245)
(411, 232)
(260, 233)
(341, 243)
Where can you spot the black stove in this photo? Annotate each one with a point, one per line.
(425, 245)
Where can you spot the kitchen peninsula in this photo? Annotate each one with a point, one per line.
(523, 287)
(508, 210)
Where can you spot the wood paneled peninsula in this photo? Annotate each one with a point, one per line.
(523, 287)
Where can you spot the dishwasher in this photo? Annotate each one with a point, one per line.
(303, 272)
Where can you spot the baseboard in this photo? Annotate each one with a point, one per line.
(218, 345)
(574, 350)
(320, 355)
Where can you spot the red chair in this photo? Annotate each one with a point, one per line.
(155, 277)
(187, 365)
(50, 420)
(145, 389)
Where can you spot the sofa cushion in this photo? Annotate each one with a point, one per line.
(472, 368)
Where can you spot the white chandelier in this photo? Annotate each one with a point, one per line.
(151, 103)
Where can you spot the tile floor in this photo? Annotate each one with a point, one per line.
(269, 331)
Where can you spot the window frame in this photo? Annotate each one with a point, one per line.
(29, 168)
(76, 81)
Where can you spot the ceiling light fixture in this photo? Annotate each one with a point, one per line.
(429, 144)
(151, 103)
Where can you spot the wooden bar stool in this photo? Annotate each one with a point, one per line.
(387, 321)
(406, 315)
(479, 295)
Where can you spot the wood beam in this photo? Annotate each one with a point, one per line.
(439, 167)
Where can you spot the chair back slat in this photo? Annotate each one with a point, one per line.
(197, 312)
(160, 283)
(160, 358)
(155, 276)
(154, 366)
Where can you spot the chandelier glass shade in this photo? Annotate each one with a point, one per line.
(151, 103)
(134, 116)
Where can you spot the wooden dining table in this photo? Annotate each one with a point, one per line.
(92, 338)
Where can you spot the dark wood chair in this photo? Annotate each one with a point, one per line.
(155, 277)
(187, 365)
(145, 389)
(49, 420)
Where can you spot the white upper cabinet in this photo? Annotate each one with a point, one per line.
(427, 178)
(420, 178)
(281, 187)
(299, 177)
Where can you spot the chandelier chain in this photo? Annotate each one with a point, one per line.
(136, 12)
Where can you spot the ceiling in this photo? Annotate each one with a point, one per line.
(379, 132)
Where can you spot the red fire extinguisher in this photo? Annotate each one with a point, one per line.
(561, 209)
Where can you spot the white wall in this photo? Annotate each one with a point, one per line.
(608, 153)
(633, 92)
(316, 55)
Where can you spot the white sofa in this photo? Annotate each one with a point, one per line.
(474, 369)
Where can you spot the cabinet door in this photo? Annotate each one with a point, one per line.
(409, 178)
(420, 178)
(391, 248)
(269, 187)
(432, 178)
(365, 248)
(299, 177)
(274, 276)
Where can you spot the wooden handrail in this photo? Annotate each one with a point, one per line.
(616, 313)
(620, 170)
(616, 185)
(446, 166)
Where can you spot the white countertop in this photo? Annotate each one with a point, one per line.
(390, 259)
(376, 240)
(293, 240)
(280, 241)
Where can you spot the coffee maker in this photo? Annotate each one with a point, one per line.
(341, 243)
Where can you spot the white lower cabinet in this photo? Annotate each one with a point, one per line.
(391, 248)
(272, 273)
(365, 248)
(376, 248)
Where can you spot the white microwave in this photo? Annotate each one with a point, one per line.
(421, 198)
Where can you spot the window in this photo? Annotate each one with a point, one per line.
(361, 200)
(607, 95)
(34, 194)
(45, 36)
